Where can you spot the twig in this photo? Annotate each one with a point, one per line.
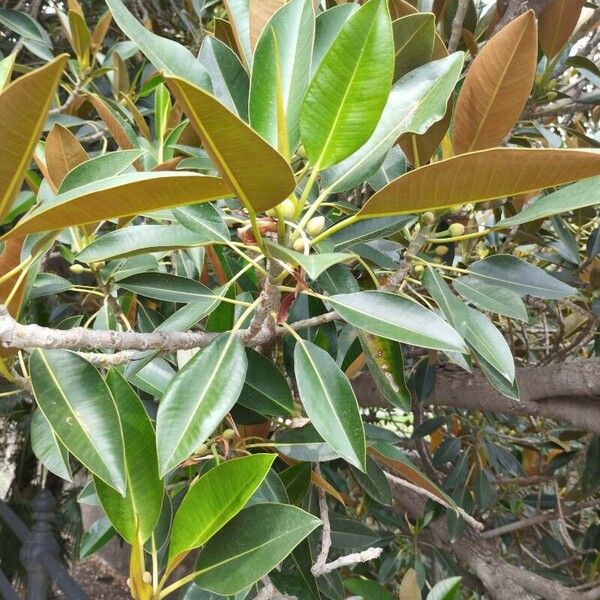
(270, 592)
(537, 520)
(474, 523)
(321, 566)
(70, 99)
(457, 25)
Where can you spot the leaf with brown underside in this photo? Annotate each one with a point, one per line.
(10, 257)
(481, 175)
(556, 24)
(63, 152)
(24, 107)
(100, 31)
(496, 87)
(239, 153)
(260, 13)
(224, 33)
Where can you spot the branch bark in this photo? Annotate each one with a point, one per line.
(567, 392)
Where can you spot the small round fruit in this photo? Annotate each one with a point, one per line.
(288, 208)
(428, 218)
(147, 577)
(299, 245)
(315, 226)
(228, 434)
(441, 250)
(456, 229)
(418, 269)
(202, 449)
(77, 269)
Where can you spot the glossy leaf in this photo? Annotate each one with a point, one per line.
(414, 37)
(22, 24)
(556, 23)
(496, 87)
(386, 364)
(6, 69)
(47, 448)
(166, 55)
(281, 73)
(447, 589)
(417, 101)
(265, 390)
(203, 219)
(240, 155)
(229, 79)
(214, 499)
(166, 286)
(134, 240)
(573, 197)
(239, 19)
(521, 277)
(10, 258)
(371, 229)
(327, 26)
(330, 402)
(396, 318)
(479, 176)
(349, 89)
(24, 106)
(81, 411)
(121, 196)
(374, 482)
(367, 588)
(95, 537)
(252, 544)
(198, 398)
(491, 297)
(477, 330)
(304, 444)
(99, 167)
(313, 264)
(396, 459)
(135, 515)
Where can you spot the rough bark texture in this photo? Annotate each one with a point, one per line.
(568, 392)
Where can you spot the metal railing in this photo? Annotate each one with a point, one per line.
(39, 552)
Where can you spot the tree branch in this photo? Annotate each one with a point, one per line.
(457, 25)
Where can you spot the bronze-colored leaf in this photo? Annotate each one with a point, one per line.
(496, 87)
(240, 154)
(63, 152)
(100, 31)
(224, 33)
(556, 24)
(10, 257)
(24, 107)
(481, 175)
(260, 13)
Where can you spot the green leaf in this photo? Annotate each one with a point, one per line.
(478, 331)
(521, 277)
(396, 318)
(369, 229)
(415, 103)
(327, 26)
(281, 73)
(313, 264)
(135, 515)
(297, 480)
(490, 297)
(447, 589)
(97, 536)
(573, 197)
(24, 25)
(167, 287)
(239, 17)
(251, 545)
(166, 55)
(414, 38)
(266, 390)
(6, 69)
(99, 167)
(329, 401)
(374, 482)
(198, 398)
(230, 82)
(350, 534)
(47, 448)
(304, 444)
(350, 86)
(121, 196)
(81, 411)
(239, 153)
(367, 589)
(386, 364)
(140, 239)
(203, 219)
(214, 499)
(270, 490)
